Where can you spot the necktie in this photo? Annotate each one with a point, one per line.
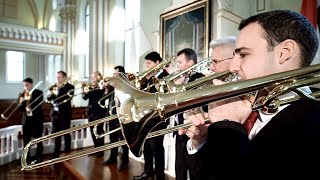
(248, 124)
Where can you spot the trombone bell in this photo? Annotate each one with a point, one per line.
(138, 114)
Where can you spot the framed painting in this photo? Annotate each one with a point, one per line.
(185, 27)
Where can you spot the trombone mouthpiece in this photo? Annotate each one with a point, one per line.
(234, 77)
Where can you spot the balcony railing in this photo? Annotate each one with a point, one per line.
(16, 37)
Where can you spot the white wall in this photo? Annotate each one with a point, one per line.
(150, 23)
(116, 35)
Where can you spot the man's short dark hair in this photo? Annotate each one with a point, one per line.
(153, 56)
(28, 80)
(190, 54)
(64, 74)
(120, 69)
(280, 25)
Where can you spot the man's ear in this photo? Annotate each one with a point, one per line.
(287, 49)
(190, 62)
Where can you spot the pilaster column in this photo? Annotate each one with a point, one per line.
(68, 16)
(98, 39)
(106, 50)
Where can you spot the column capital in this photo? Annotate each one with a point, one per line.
(68, 13)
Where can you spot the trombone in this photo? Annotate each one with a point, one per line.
(139, 79)
(103, 98)
(86, 87)
(172, 88)
(161, 83)
(27, 167)
(54, 90)
(26, 95)
(205, 62)
(140, 111)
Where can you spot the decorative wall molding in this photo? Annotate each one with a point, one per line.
(223, 13)
(178, 3)
(22, 38)
(225, 23)
(228, 5)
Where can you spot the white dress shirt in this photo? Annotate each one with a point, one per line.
(259, 124)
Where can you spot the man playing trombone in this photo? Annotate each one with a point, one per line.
(283, 145)
(94, 93)
(32, 119)
(61, 111)
(153, 148)
(114, 124)
(185, 59)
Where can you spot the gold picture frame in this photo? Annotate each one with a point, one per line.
(185, 27)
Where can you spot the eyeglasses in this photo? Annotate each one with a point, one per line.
(219, 61)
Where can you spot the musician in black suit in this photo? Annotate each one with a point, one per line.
(284, 145)
(61, 111)
(153, 148)
(32, 115)
(94, 94)
(221, 55)
(185, 59)
(114, 124)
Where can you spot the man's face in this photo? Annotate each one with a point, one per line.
(115, 71)
(150, 64)
(60, 78)
(27, 86)
(252, 57)
(95, 78)
(221, 59)
(183, 63)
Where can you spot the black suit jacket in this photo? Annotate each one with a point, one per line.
(193, 77)
(149, 82)
(64, 108)
(37, 113)
(94, 110)
(286, 148)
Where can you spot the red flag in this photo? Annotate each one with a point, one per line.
(309, 8)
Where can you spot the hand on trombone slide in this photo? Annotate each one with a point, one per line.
(198, 132)
(21, 99)
(233, 109)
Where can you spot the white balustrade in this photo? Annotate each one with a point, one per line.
(11, 142)
(32, 39)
